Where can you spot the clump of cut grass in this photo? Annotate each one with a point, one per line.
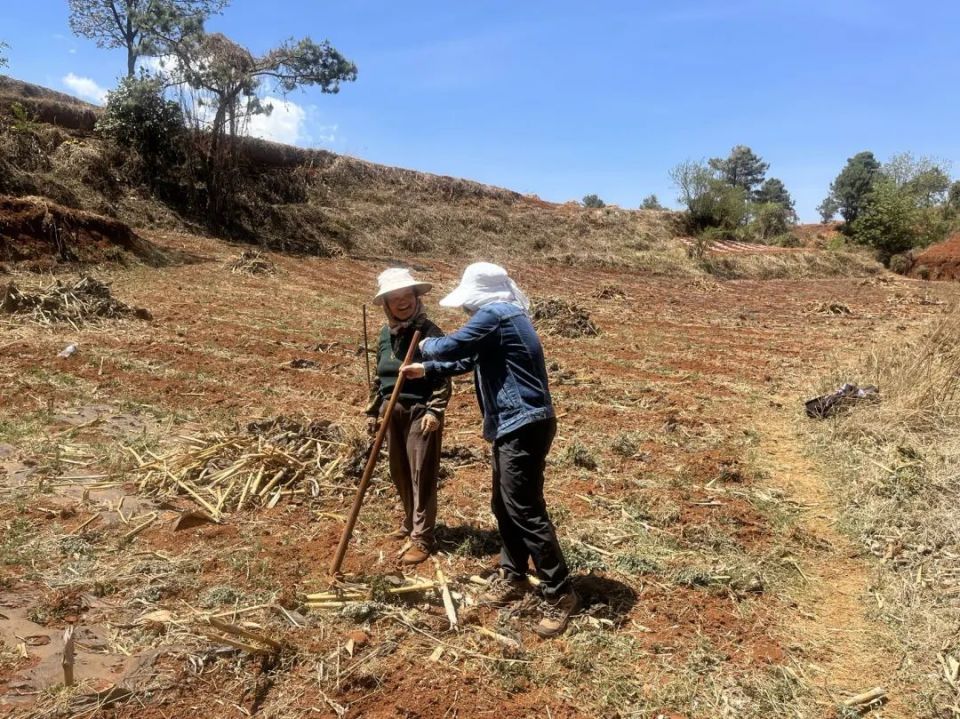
(625, 444)
(220, 595)
(578, 455)
(581, 558)
(16, 545)
(897, 461)
(636, 563)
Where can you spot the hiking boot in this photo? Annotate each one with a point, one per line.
(417, 553)
(557, 613)
(502, 590)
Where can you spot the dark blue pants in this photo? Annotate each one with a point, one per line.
(519, 459)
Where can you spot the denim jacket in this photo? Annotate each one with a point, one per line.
(500, 344)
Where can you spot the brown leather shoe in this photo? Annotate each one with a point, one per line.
(416, 554)
(557, 613)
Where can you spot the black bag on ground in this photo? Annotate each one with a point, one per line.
(849, 394)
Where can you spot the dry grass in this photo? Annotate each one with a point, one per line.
(251, 262)
(791, 265)
(559, 317)
(312, 202)
(898, 460)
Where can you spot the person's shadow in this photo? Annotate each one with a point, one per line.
(603, 597)
(468, 541)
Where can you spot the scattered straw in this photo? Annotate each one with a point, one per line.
(252, 262)
(269, 459)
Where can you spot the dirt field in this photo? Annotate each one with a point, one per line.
(703, 538)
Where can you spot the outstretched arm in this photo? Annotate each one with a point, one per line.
(465, 343)
(435, 369)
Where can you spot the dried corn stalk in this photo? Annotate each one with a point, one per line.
(254, 467)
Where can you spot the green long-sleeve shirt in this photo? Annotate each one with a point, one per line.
(434, 392)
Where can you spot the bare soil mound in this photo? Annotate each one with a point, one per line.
(939, 262)
(42, 234)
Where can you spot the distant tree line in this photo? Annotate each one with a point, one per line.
(896, 206)
(892, 207)
(732, 198)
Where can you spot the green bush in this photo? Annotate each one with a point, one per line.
(711, 201)
(718, 234)
(770, 220)
(138, 116)
(900, 264)
(650, 202)
(892, 222)
(593, 201)
(720, 206)
(787, 239)
(22, 120)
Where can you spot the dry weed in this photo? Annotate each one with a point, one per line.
(898, 459)
(251, 262)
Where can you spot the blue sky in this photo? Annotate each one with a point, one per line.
(564, 99)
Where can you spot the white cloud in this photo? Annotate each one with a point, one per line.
(85, 88)
(286, 124)
(324, 134)
(165, 65)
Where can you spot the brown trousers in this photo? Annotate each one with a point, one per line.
(414, 466)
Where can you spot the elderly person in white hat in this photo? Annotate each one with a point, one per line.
(500, 343)
(415, 432)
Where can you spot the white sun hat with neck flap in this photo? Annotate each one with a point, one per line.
(482, 284)
(398, 278)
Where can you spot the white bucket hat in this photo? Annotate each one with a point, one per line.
(482, 284)
(398, 278)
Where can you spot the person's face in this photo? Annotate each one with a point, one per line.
(402, 303)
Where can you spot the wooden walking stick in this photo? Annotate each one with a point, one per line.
(371, 463)
(366, 349)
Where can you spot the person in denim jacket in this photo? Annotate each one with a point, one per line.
(501, 346)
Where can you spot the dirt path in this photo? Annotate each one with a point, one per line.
(845, 651)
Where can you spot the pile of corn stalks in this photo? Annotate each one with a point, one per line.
(252, 262)
(254, 467)
(72, 302)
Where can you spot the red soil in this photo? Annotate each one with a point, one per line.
(939, 262)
